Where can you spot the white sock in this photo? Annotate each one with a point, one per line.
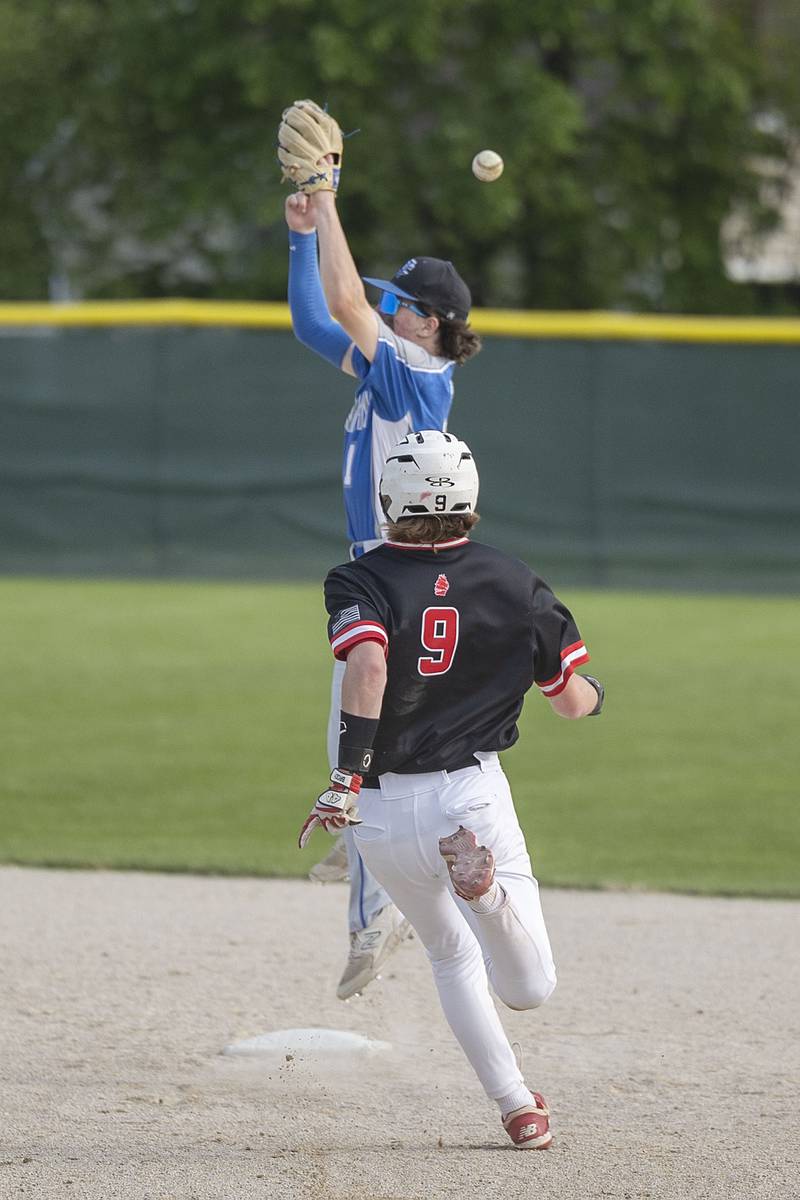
(489, 901)
(519, 1098)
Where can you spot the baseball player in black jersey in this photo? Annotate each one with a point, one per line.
(442, 638)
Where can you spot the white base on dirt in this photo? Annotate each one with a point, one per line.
(307, 1042)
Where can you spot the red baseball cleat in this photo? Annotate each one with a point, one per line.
(529, 1127)
(471, 866)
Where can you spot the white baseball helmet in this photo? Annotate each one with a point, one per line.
(429, 473)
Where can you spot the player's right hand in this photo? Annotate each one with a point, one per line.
(335, 808)
(299, 213)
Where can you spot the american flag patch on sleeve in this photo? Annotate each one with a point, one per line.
(346, 617)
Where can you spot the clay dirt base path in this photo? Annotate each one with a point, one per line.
(669, 1052)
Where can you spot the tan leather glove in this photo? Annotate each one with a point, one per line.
(306, 136)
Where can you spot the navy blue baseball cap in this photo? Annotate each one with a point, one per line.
(433, 282)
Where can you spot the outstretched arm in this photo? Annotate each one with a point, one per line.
(344, 291)
(311, 320)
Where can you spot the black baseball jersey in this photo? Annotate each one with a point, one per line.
(467, 630)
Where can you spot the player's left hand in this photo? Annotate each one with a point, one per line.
(335, 808)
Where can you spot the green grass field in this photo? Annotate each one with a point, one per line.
(181, 726)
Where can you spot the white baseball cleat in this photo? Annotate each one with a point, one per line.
(333, 868)
(370, 948)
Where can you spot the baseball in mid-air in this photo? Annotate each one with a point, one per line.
(487, 166)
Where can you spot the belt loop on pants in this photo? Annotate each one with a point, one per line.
(481, 760)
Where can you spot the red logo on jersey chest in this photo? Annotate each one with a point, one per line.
(442, 586)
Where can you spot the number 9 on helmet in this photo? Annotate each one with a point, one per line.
(427, 473)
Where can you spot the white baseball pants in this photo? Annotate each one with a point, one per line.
(509, 947)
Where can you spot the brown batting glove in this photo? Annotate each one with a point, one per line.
(307, 135)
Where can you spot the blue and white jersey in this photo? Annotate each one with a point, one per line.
(404, 389)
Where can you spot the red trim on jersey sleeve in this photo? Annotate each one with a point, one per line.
(359, 631)
(571, 657)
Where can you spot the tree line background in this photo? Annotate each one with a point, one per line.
(137, 143)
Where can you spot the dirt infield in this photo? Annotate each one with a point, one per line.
(669, 1052)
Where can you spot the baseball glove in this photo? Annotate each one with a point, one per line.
(305, 136)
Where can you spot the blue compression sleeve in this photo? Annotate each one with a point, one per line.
(311, 321)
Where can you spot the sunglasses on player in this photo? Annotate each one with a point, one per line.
(390, 304)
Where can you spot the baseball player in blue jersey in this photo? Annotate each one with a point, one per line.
(403, 354)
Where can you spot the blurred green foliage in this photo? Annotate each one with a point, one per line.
(137, 142)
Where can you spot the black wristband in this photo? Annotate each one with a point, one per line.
(601, 694)
(356, 738)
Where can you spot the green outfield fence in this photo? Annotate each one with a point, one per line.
(181, 438)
